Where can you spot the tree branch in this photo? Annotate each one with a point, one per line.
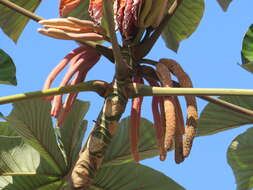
(99, 87)
(121, 67)
(132, 89)
(136, 89)
(21, 10)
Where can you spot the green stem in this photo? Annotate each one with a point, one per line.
(135, 90)
(94, 86)
(119, 63)
(103, 50)
(21, 10)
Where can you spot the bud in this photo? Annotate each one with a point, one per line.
(96, 10)
(72, 29)
(126, 16)
(152, 12)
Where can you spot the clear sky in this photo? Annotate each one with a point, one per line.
(209, 56)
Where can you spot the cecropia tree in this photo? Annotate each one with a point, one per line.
(114, 146)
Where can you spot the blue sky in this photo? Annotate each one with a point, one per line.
(209, 56)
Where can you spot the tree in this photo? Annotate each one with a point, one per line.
(57, 181)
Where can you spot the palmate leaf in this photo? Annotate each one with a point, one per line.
(73, 130)
(183, 23)
(13, 23)
(6, 130)
(214, 119)
(29, 169)
(240, 158)
(21, 166)
(32, 121)
(247, 50)
(7, 69)
(118, 151)
(224, 4)
(132, 176)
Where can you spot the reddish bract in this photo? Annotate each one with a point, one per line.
(96, 9)
(67, 5)
(126, 16)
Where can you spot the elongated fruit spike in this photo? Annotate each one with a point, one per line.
(179, 157)
(170, 114)
(135, 123)
(158, 123)
(192, 114)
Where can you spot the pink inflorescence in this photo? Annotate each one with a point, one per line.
(80, 61)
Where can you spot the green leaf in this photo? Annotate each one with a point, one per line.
(28, 170)
(118, 151)
(7, 69)
(247, 50)
(32, 121)
(81, 11)
(132, 176)
(73, 130)
(6, 129)
(183, 23)
(240, 158)
(30, 183)
(13, 23)
(17, 158)
(224, 4)
(21, 166)
(214, 119)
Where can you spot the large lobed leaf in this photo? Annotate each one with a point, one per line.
(119, 152)
(27, 168)
(214, 119)
(32, 121)
(247, 50)
(183, 23)
(32, 172)
(7, 69)
(132, 176)
(21, 166)
(240, 158)
(73, 130)
(6, 130)
(13, 23)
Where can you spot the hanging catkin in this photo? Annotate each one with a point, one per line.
(169, 107)
(135, 123)
(192, 114)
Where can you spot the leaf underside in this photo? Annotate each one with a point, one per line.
(247, 50)
(7, 69)
(240, 158)
(183, 23)
(214, 119)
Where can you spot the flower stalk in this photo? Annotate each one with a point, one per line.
(121, 66)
